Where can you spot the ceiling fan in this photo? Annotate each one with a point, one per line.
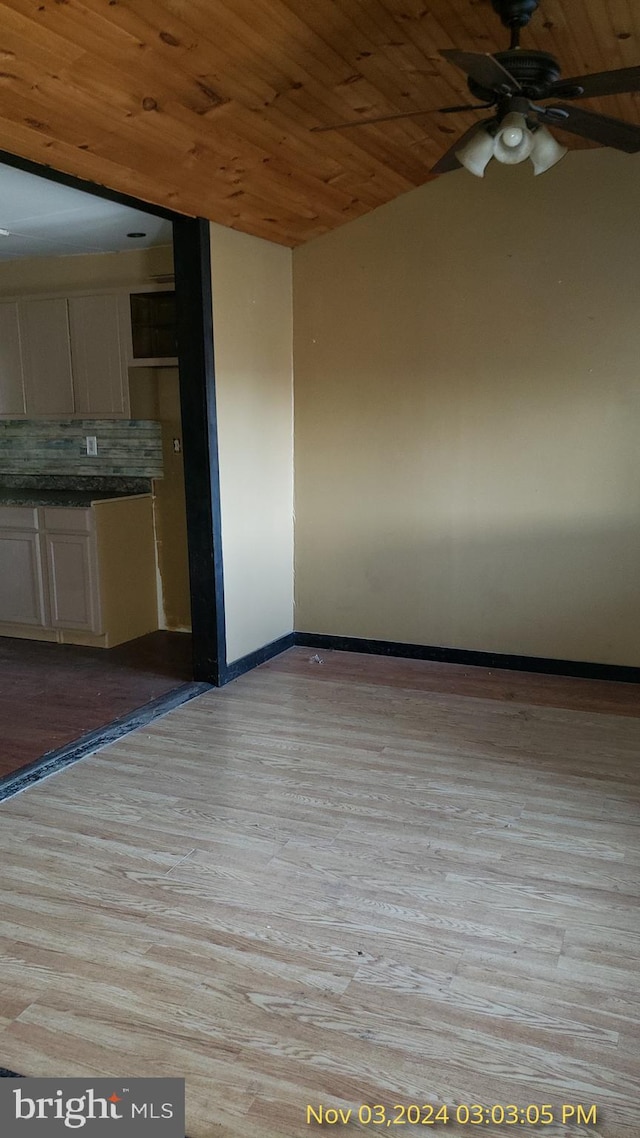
(514, 83)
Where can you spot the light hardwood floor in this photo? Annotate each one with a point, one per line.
(340, 883)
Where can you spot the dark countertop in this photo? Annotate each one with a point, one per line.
(81, 498)
(33, 490)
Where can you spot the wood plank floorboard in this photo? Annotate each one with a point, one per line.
(51, 694)
(362, 881)
(485, 683)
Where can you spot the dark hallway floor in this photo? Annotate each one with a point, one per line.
(51, 694)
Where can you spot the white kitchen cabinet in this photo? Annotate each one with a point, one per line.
(71, 561)
(22, 594)
(65, 357)
(46, 358)
(79, 576)
(100, 347)
(12, 392)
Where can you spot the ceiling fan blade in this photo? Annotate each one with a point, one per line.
(484, 69)
(403, 115)
(602, 83)
(598, 128)
(449, 161)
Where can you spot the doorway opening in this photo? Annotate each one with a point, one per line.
(110, 565)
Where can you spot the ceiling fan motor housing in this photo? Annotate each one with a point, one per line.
(515, 13)
(535, 71)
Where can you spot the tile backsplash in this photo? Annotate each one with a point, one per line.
(127, 447)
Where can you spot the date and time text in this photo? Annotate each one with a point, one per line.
(463, 1115)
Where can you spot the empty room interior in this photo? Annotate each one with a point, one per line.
(319, 716)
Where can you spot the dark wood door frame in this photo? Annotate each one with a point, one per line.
(192, 263)
(191, 250)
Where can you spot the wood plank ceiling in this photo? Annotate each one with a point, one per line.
(206, 106)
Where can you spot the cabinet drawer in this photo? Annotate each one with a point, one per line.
(18, 517)
(67, 519)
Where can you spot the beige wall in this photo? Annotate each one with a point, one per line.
(90, 270)
(252, 341)
(468, 415)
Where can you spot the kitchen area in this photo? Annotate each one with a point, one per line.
(94, 589)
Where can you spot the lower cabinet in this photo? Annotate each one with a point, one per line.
(22, 598)
(70, 557)
(79, 576)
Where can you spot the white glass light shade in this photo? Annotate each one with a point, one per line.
(477, 153)
(546, 150)
(513, 141)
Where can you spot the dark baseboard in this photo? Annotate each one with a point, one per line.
(540, 664)
(543, 665)
(260, 656)
(57, 760)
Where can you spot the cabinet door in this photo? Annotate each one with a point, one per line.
(46, 347)
(99, 354)
(73, 580)
(154, 331)
(12, 394)
(21, 578)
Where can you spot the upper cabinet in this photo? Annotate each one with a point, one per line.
(100, 346)
(65, 357)
(46, 358)
(13, 403)
(154, 331)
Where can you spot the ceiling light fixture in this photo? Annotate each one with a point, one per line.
(520, 84)
(511, 143)
(547, 151)
(5, 233)
(136, 235)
